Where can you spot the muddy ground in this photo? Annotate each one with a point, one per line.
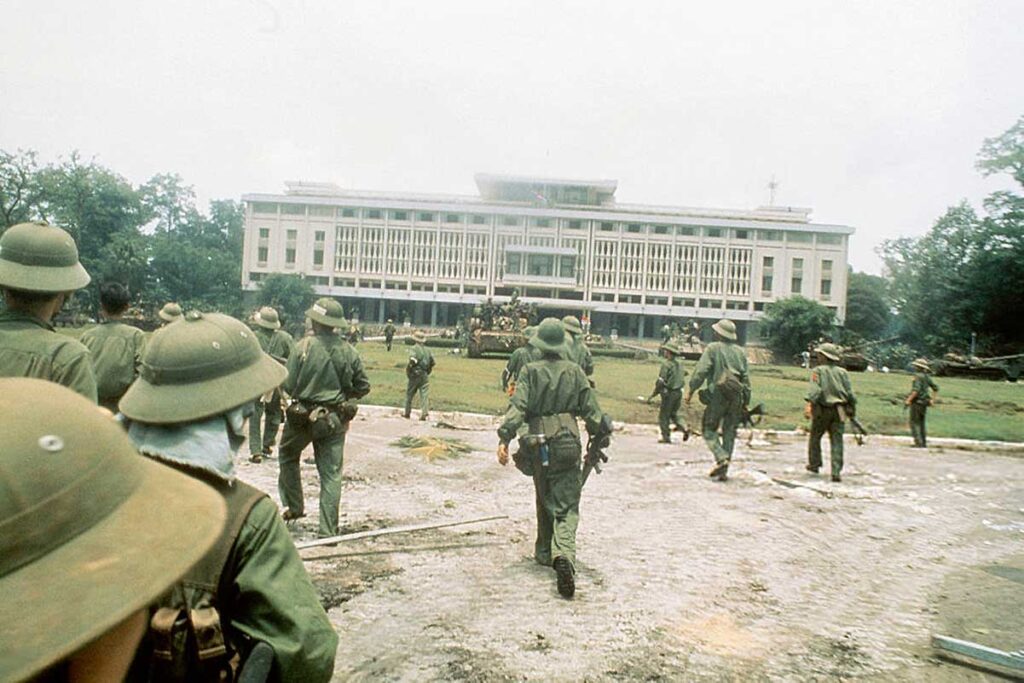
(679, 578)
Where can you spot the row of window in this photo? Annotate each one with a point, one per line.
(796, 273)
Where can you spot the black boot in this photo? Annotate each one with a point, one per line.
(566, 581)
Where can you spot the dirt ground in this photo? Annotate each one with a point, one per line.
(679, 578)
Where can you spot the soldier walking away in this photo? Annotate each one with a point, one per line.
(389, 333)
(268, 415)
(417, 373)
(669, 385)
(187, 410)
(325, 379)
(919, 400)
(666, 333)
(830, 400)
(517, 361)
(550, 394)
(169, 313)
(723, 367)
(119, 531)
(576, 349)
(39, 269)
(116, 348)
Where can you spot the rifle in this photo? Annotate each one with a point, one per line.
(752, 416)
(257, 666)
(860, 433)
(596, 443)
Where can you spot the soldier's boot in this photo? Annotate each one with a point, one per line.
(812, 468)
(836, 478)
(288, 515)
(720, 471)
(256, 458)
(566, 580)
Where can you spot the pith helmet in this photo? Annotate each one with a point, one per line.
(389, 320)
(170, 312)
(922, 364)
(267, 317)
(830, 351)
(572, 324)
(327, 311)
(530, 331)
(550, 336)
(205, 365)
(671, 347)
(725, 329)
(419, 337)
(92, 533)
(37, 257)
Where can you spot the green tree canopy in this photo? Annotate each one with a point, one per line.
(290, 294)
(868, 311)
(789, 325)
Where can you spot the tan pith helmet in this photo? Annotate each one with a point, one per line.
(170, 312)
(922, 364)
(725, 329)
(550, 336)
(38, 257)
(267, 317)
(830, 351)
(572, 324)
(90, 532)
(419, 337)
(327, 311)
(205, 365)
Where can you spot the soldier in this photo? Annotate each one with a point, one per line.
(671, 379)
(389, 333)
(169, 313)
(116, 347)
(517, 361)
(417, 372)
(325, 378)
(92, 534)
(576, 348)
(550, 395)
(354, 332)
(723, 366)
(829, 400)
(666, 333)
(267, 414)
(188, 408)
(39, 269)
(919, 399)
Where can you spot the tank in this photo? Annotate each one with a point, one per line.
(1000, 369)
(498, 328)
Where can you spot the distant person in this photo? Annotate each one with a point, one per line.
(39, 270)
(325, 379)
(417, 373)
(116, 348)
(576, 348)
(92, 535)
(830, 400)
(389, 333)
(919, 400)
(518, 360)
(268, 415)
(169, 313)
(666, 333)
(669, 385)
(723, 367)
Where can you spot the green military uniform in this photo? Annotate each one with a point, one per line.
(921, 397)
(268, 415)
(324, 371)
(831, 397)
(517, 361)
(670, 383)
(550, 394)
(721, 366)
(389, 334)
(30, 347)
(116, 352)
(666, 333)
(576, 349)
(417, 372)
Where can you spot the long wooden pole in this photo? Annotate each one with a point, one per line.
(331, 540)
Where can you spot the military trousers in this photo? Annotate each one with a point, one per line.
(557, 487)
(826, 419)
(668, 414)
(387, 342)
(264, 423)
(419, 385)
(917, 428)
(329, 453)
(721, 420)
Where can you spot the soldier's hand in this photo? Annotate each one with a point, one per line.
(807, 411)
(503, 454)
(687, 396)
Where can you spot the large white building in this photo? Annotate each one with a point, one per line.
(567, 245)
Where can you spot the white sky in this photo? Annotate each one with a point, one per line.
(871, 112)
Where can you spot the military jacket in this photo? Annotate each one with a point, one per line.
(579, 353)
(924, 386)
(717, 357)
(550, 387)
(389, 331)
(830, 385)
(517, 361)
(30, 347)
(671, 377)
(116, 352)
(325, 369)
(278, 344)
(424, 361)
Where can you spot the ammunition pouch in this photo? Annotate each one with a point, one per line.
(523, 460)
(347, 410)
(297, 414)
(551, 426)
(324, 423)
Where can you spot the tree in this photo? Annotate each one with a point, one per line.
(290, 294)
(789, 325)
(17, 186)
(868, 312)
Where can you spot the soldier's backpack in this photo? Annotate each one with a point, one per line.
(728, 385)
(190, 636)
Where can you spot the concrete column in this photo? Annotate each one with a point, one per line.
(433, 314)
(640, 327)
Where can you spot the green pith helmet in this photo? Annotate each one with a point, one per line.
(327, 311)
(170, 312)
(91, 532)
(572, 324)
(205, 365)
(267, 317)
(725, 329)
(830, 351)
(550, 336)
(671, 347)
(38, 257)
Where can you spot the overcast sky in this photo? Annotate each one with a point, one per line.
(872, 113)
